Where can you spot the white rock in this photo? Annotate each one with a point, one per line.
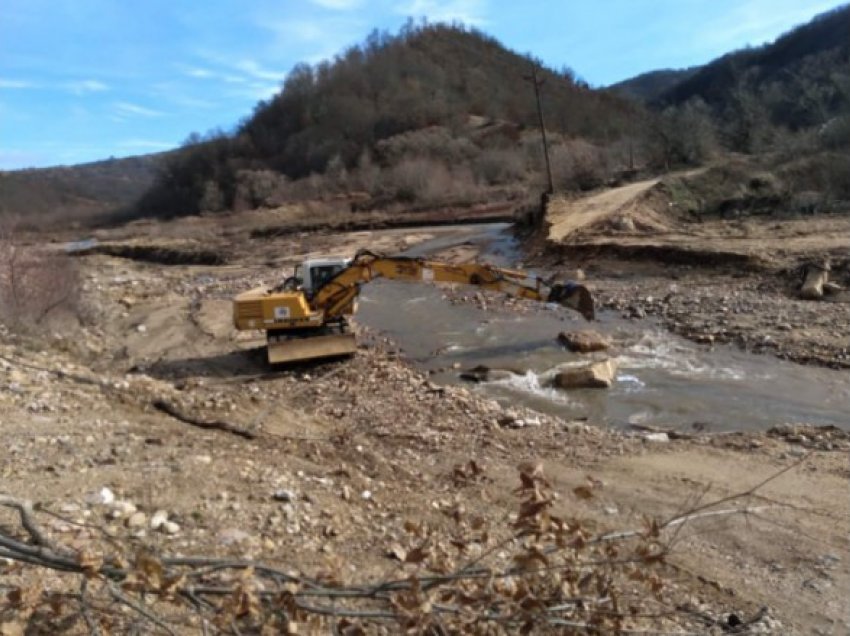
(366, 495)
(141, 329)
(169, 527)
(103, 496)
(136, 520)
(158, 518)
(656, 437)
(121, 508)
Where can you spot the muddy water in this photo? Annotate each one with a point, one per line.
(662, 380)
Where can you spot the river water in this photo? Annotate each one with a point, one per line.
(663, 380)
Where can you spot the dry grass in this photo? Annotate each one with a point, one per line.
(36, 283)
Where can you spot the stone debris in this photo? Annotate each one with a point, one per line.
(598, 375)
(158, 519)
(806, 436)
(284, 495)
(482, 373)
(103, 496)
(170, 527)
(136, 520)
(816, 276)
(585, 341)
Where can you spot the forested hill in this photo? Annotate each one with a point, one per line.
(649, 86)
(800, 80)
(78, 193)
(433, 75)
(339, 114)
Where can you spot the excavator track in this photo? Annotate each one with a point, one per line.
(283, 349)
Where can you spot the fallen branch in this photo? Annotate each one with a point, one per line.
(582, 588)
(24, 508)
(170, 409)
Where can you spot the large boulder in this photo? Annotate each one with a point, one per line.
(817, 275)
(599, 375)
(585, 341)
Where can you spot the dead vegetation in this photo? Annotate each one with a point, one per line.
(36, 283)
(537, 570)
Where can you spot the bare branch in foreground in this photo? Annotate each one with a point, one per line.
(547, 573)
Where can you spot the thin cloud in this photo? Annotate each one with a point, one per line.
(255, 90)
(252, 68)
(756, 22)
(201, 73)
(338, 5)
(86, 86)
(128, 108)
(16, 84)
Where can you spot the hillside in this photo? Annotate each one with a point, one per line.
(76, 193)
(444, 118)
(435, 107)
(799, 81)
(649, 86)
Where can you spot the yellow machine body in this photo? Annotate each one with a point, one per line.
(306, 317)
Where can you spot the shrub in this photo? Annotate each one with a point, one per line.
(36, 283)
(428, 181)
(497, 167)
(578, 165)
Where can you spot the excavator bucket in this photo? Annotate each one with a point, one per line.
(574, 296)
(311, 348)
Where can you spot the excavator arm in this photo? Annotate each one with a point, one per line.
(306, 323)
(336, 296)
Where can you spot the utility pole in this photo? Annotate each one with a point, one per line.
(537, 84)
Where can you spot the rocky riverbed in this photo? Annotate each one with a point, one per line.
(342, 456)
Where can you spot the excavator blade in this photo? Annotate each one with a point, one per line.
(311, 348)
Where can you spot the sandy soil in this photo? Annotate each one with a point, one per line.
(346, 452)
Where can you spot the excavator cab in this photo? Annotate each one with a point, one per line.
(316, 272)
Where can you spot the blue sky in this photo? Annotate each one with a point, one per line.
(82, 80)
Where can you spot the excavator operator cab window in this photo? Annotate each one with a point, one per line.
(320, 274)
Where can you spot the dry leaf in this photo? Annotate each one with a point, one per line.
(417, 555)
(583, 492)
(90, 562)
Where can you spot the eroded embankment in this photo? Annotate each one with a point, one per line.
(479, 214)
(159, 254)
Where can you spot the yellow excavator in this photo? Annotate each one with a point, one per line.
(306, 316)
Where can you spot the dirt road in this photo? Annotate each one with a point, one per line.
(645, 220)
(569, 216)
